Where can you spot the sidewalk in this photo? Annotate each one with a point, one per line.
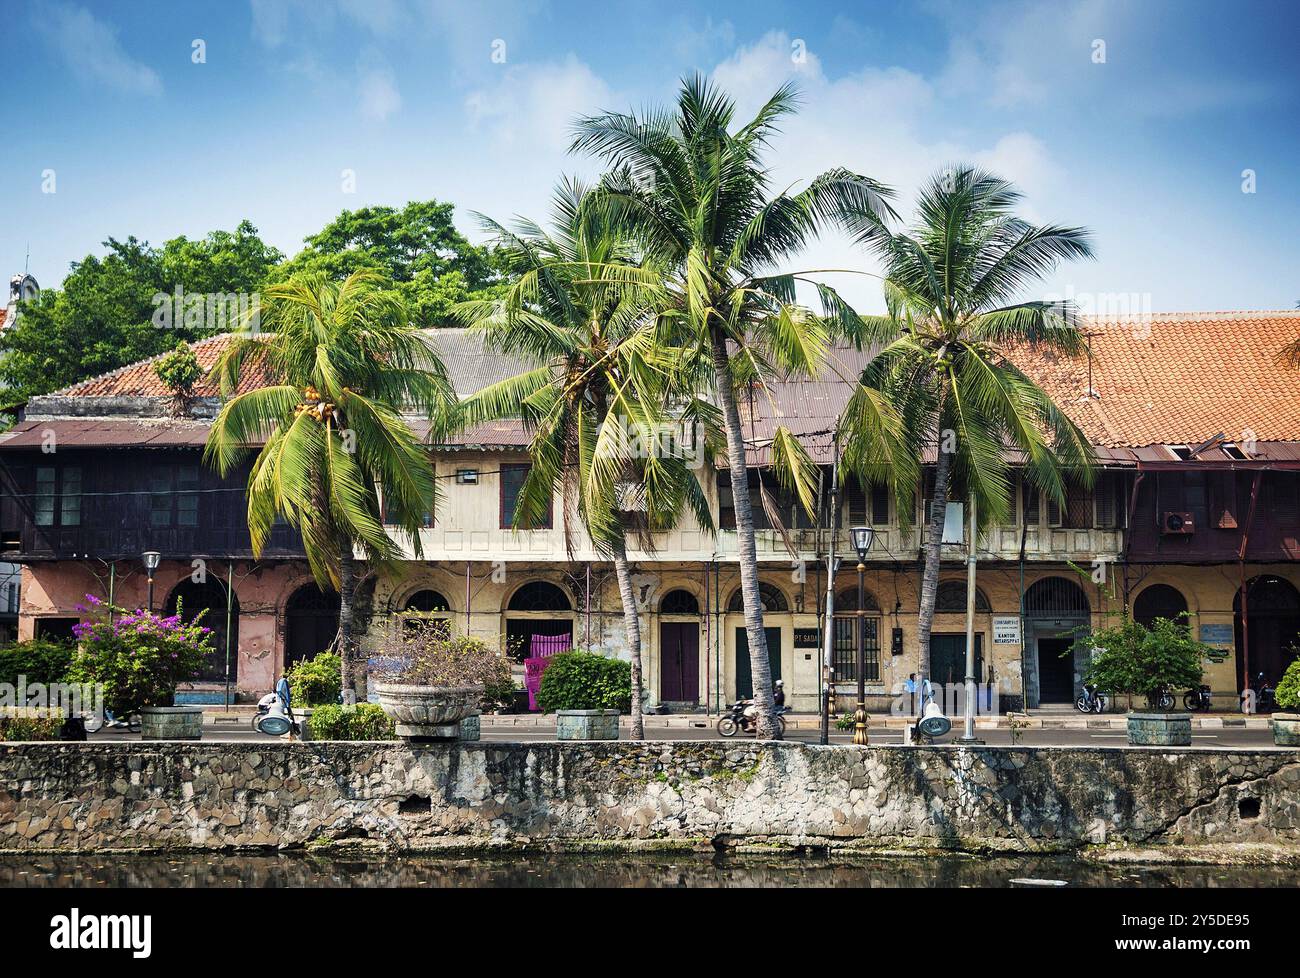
(242, 716)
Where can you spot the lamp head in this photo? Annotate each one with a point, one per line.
(862, 537)
(151, 560)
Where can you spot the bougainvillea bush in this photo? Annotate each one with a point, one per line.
(139, 656)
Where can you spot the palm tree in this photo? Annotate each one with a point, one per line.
(697, 196)
(346, 361)
(950, 285)
(585, 315)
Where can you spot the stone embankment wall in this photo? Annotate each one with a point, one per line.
(485, 795)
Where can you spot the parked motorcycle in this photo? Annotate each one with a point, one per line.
(1263, 695)
(735, 721)
(1091, 701)
(1164, 700)
(1197, 699)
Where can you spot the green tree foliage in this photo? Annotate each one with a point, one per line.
(101, 318)
(417, 248)
(316, 681)
(585, 681)
(1288, 690)
(1130, 658)
(40, 660)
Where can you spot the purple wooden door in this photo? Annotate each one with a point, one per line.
(679, 661)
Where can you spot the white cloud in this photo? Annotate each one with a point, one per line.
(533, 106)
(377, 92)
(92, 51)
(873, 121)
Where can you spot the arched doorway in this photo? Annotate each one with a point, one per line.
(1271, 626)
(1056, 613)
(1160, 601)
(539, 619)
(311, 623)
(210, 596)
(679, 648)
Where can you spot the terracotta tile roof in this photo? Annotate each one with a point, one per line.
(140, 380)
(1178, 378)
(1167, 378)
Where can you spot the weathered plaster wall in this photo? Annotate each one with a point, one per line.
(65, 796)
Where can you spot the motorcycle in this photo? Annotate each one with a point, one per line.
(1163, 700)
(1091, 701)
(1263, 695)
(1197, 699)
(735, 721)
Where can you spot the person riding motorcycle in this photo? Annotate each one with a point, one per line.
(778, 698)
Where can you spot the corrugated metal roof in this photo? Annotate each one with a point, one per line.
(105, 433)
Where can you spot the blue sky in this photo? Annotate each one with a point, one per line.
(1147, 146)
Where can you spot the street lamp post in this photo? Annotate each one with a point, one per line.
(862, 537)
(972, 537)
(151, 559)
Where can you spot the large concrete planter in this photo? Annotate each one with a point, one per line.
(1160, 729)
(1286, 729)
(428, 712)
(586, 724)
(171, 723)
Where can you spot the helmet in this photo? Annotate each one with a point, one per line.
(780, 682)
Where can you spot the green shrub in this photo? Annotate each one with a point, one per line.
(1288, 689)
(585, 681)
(316, 681)
(14, 728)
(42, 660)
(365, 721)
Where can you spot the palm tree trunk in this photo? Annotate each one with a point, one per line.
(632, 626)
(347, 594)
(760, 670)
(930, 578)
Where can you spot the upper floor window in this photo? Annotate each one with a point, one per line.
(512, 484)
(174, 495)
(785, 505)
(58, 495)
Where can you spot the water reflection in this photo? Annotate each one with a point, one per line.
(574, 870)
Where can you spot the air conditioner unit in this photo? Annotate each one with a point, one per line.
(1177, 524)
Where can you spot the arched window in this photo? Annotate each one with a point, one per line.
(1159, 601)
(951, 599)
(1056, 597)
(679, 602)
(192, 598)
(770, 596)
(847, 600)
(539, 596)
(426, 601)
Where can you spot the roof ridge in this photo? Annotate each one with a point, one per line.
(1219, 315)
(118, 371)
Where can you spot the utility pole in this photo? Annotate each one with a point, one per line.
(828, 690)
(972, 530)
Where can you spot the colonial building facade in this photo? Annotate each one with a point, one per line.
(1195, 508)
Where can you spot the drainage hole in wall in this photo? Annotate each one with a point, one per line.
(1248, 807)
(416, 805)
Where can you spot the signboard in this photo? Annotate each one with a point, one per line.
(806, 638)
(1217, 634)
(1006, 630)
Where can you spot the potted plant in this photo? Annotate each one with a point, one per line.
(1133, 659)
(587, 692)
(1286, 726)
(139, 657)
(430, 681)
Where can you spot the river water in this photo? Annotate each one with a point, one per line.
(584, 870)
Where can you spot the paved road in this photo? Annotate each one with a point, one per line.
(1236, 738)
